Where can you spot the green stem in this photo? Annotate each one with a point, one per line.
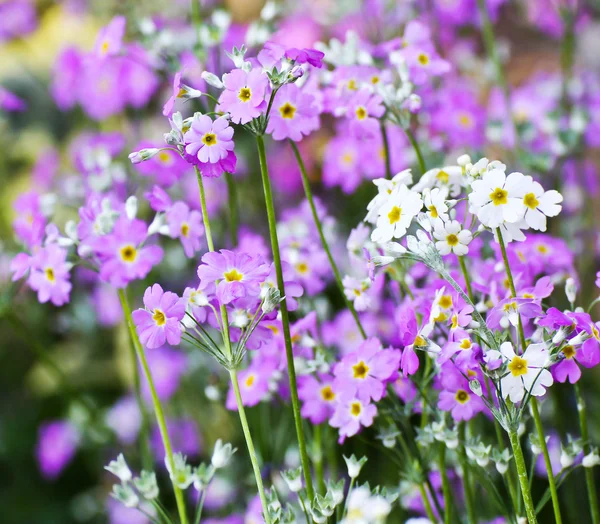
(417, 149)
(318, 459)
(445, 486)
(463, 268)
(315, 214)
(250, 444)
(284, 316)
(160, 417)
(233, 208)
(233, 372)
(589, 473)
(467, 486)
(542, 438)
(426, 503)
(386, 149)
(522, 474)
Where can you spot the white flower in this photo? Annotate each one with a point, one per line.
(357, 291)
(451, 238)
(525, 372)
(364, 508)
(540, 204)
(354, 465)
(511, 232)
(591, 459)
(222, 454)
(435, 202)
(497, 199)
(449, 177)
(125, 495)
(119, 468)
(385, 188)
(395, 217)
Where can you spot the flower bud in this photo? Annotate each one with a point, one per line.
(119, 468)
(146, 485)
(293, 479)
(463, 160)
(212, 80)
(142, 155)
(222, 454)
(571, 290)
(354, 465)
(125, 495)
(591, 459)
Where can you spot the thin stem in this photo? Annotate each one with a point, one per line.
(315, 214)
(467, 486)
(426, 503)
(318, 459)
(160, 417)
(542, 439)
(250, 444)
(233, 208)
(463, 268)
(589, 473)
(233, 372)
(522, 474)
(386, 149)
(445, 486)
(417, 149)
(284, 316)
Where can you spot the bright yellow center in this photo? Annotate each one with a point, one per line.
(287, 111)
(454, 321)
(542, 249)
(462, 397)
(164, 157)
(419, 341)
(233, 275)
(465, 344)
(352, 85)
(327, 394)
(245, 94)
(445, 301)
(518, 366)
(128, 254)
(433, 212)
(302, 268)
(394, 215)
(105, 47)
(360, 370)
(355, 409)
(185, 229)
(50, 274)
(249, 381)
(347, 159)
(465, 120)
(443, 177)
(452, 240)
(374, 79)
(530, 201)
(361, 113)
(569, 352)
(423, 59)
(159, 317)
(209, 139)
(499, 196)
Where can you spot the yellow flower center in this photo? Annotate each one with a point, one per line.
(164, 157)
(348, 159)
(355, 409)
(361, 113)
(233, 275)
(250, 381)
(360, 370)
(185, 229)
(50, 274)
(518, 366)
(245, 94)
(499, 196)
(159, 317)
(462, 397)
(542, 249)
(394, 215)
(302, 268)
(433, 212)
(452, 240)
(465, 344)
(327, 394)
(352, 85)
(443, 177)
(419, 341)
(287, 111)
(374, 79)
(445, 301)
(181, 92)
(465, 120)
(454, 321)
(105, 47)
(569, 352)
(209, 139)
(530, 201)
(423, 59)
(128, 254)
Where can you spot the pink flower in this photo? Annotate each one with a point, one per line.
(122, 258)
(168, 107)
(50, 275)
(294, 114)
(364, 109)
(317, 396)
(254, 383)
(244, 95)
(56, 447)
(185, 225)
(462, 404)
(160, 321)
(239, 275)
(209, 141)
(350, 415)
(110, 38)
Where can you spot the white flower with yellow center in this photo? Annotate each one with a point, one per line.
(435, 202)
(396, 215)
(497, 199)
(385, 187)
(526, 372)
(451, 238)
(540, 204)
(448, 177)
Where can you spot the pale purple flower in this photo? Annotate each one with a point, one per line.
(186, 225)
(507, 312)
(122, 257)
(50, 275)
(238, 275)
(167, 367)
(244, 95)
(10, 101)
(170, 103)
(185, 438)
(254, 383)
(209, 141)
(56, 447)
(294, 114)
(66, 78)
(363, 110)
(350, 415)
(293, 289)
(125, 419)
(166, 167)
(18, 19)
(110, 38)
(317, 396)
(158, 198)
(159, 322)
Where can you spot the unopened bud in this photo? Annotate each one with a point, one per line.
(142, 155)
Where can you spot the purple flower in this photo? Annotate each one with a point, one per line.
(170, 103)
(66, 78)
(110, 38)
(167, 367)
(158, 198)
(160, 321)
(317, 396)
(305, 56)
(10, 101)
(350, 415)
(185, 225)
(125, 419)
(364, 109)
(122, 258)
(244, 95)
(166, 167)
(30, 222)
(364, 372)
(293, 289)
(18, 19)
(56, 446)
(294, 114)
(507, 312)
(239, 275)
(185, 438)
(209, 141)
(456, 396)
(50, 275)
(254, 383)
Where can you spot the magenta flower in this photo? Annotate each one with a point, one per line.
(29, 223)
(350, 415)
(159, 322)
(122, 258)
(158, 198)
(254, 383)
(18, 17)
(50, 275)
(170, 103)
(294, 114)
(306, 56)
(56, 446)
(10, 101)
(209, 141)
(167, 367)
(244, 95)
(166, 167)
(66, 77)
(110, 38)
(364, 372)
(317, 396)
(185, 225)
(363, 110)
(239, 275)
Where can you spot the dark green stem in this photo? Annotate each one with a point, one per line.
(417, 149)
(233, 208)
(386, 149)
(522, 473)
(445, 486)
